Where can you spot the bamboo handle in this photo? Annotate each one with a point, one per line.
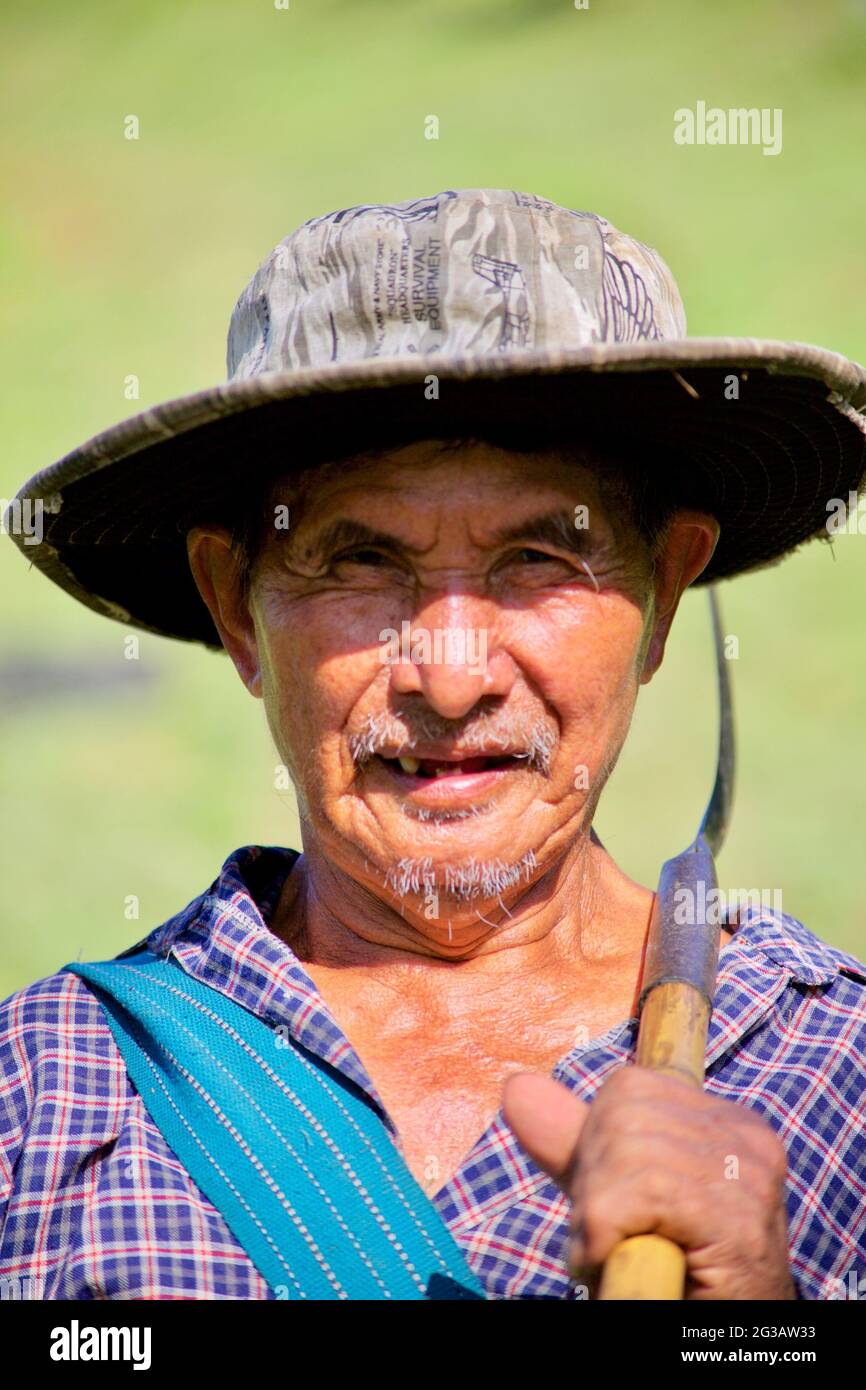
(672, 1039)
(644, 1267)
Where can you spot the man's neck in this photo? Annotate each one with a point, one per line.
(582, 914)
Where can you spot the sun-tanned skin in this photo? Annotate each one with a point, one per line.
(453, 1008)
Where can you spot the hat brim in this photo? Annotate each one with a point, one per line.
(766, 456)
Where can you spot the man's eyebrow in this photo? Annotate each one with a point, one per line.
(557, 529)
(342, 534)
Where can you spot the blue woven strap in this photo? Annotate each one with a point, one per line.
(292, 1154)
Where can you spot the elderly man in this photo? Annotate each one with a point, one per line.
(441, 519)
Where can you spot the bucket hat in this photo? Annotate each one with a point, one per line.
(484, 313)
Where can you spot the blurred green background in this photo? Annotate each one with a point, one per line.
(123, 257)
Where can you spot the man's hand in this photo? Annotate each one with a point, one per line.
(652, 1154)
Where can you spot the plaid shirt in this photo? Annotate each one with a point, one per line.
(93, 1203)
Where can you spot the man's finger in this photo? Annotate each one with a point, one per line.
(546, 1120)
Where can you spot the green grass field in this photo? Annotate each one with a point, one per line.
(125, 257)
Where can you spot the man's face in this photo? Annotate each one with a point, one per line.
(449, 646)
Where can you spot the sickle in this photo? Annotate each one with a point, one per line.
(677, 993)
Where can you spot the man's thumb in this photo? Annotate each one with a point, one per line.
(546, 1120)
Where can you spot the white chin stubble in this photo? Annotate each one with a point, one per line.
(479, 880)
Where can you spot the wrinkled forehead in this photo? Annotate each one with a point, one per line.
(467, 479)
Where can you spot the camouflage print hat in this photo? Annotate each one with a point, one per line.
(472, 313)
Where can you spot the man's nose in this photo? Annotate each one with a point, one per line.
(447, 654)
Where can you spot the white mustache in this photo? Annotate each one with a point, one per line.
(532, 738)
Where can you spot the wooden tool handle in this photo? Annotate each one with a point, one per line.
(672, 1039)
(644, 1267)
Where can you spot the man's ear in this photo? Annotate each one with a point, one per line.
(216, 570)
(686, 551)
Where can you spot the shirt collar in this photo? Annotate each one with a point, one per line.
(785, 941)
(222, 938)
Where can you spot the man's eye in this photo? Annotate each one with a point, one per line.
(363, 555)
(528, 565)
(528, 556)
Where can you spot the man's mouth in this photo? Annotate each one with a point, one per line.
(442, 768)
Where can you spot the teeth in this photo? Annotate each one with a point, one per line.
(410, 765)
(443, 771)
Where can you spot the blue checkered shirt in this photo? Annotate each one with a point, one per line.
(93, 1203)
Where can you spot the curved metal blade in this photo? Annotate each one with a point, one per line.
(683, 940)
(717, 816)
